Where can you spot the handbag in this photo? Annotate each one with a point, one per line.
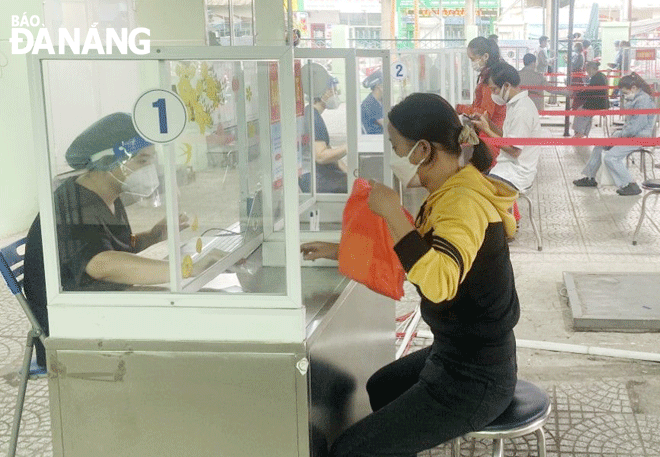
(366, 249)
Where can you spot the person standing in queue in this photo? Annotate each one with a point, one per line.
(457, 257)
(483, 53)
(96, 246)
(330, 163)
(371, 109)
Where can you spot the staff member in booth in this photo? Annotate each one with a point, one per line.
(371, 108)
(457, 256)
(96, 246)
(330, 168)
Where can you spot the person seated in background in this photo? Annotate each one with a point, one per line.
(515, 165)
(96, 246)
(590, 100)
(371, 108)
(330, 168)
(530, 77)
(483, 54)
(637, 95)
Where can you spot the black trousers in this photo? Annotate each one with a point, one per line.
(423, 400)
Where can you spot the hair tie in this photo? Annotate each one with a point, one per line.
(468, 136)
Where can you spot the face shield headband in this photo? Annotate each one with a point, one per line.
(123, 150)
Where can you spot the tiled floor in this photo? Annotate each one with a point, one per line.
(601, 406)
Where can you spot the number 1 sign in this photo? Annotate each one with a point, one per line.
(159, 116)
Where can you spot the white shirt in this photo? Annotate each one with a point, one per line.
(522, 121)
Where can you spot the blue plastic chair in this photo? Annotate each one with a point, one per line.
(11, 266)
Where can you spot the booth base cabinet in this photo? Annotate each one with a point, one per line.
(226, 399)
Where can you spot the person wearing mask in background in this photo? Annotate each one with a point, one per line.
(543, 60)
(515, 165)
(97, 249)
(330, 168)
(483, 54)
(457, 256)
(588, 50)
(371, 108)
(637, 95)
(616, 65)
(577, 60)
(590, 100)
(530, 77)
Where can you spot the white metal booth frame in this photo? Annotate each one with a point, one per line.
(182, 369)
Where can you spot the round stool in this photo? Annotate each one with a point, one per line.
(527, 413)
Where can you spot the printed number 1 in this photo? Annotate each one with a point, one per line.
(399, 71)
(162, 114)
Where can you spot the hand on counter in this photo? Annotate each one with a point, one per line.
(319, 250)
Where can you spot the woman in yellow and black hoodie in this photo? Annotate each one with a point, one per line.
(457, 257)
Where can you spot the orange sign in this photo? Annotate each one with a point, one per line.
(300, 101)
(274, 94)
(645, 54)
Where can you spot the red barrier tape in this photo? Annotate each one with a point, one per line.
(599, 112)
(577, 73)
(567, 88)
(551, 88)
(641, 142)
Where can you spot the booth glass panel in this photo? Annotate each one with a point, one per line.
(220, 180)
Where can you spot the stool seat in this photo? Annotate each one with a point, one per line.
(529, 404)
(651, 184)
(527, 413)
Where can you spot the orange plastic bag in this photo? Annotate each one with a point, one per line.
(366, 249)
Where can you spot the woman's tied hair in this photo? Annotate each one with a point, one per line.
(468, 136)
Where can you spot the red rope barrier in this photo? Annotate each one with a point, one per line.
(568, 88)
(640, 142)
(599, 112)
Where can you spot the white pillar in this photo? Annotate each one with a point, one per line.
(173, 22)
(386, 19)
(270, 23)
(471, 29)
(18, 205)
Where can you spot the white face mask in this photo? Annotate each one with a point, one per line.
(333, 102)
(404, 170)
(629, 96)
(142, 182)
(477, 65)
(500, 99)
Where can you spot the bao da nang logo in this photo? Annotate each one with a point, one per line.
(23, 40)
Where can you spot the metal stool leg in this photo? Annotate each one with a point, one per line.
(540, 441)
(539, 246)
(498, 448)
(456, 447)
(642, 214)
(22, 387)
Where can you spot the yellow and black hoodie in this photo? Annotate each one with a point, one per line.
(458, 259)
